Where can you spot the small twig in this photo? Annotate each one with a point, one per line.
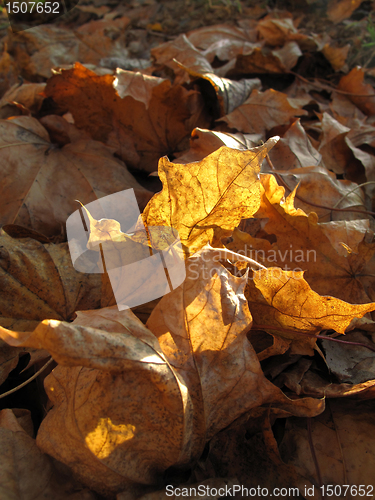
(27, 381)
(352, 190)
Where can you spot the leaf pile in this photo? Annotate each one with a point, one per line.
(266, 352)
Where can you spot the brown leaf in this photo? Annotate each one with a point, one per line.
(196, 355)
(343, 442)
(150, 132)
(197, 198)
(9, 72)
(29, 271)
(249, 452)
(220, 36)
(30, 95)
(278, 31)
(25, 471)
(262, 59)
(294, 150)
(262, 111)
(321, 187)
(302, 244)
(338, 10)
(353, 364)
(41, 181)
(353, 82)
(204, 142)
(230, 94)
(48, 46)
(8, 360)
(336, 55)
(185, 53)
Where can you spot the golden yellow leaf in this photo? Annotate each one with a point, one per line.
(131, 401)
(284, 299)
(202, 200)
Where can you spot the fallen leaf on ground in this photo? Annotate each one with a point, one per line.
(25, 471)
(148, 133)
(284, 299)
(302, 244)
(197, 198)
(48, 46)
(41, 181)
(204, 142)
(115, 441)
(29, 271)
(262, 111)
(185, 53)
(343, 443)
(338, 10)
(353, 83)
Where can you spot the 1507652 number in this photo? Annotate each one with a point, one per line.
(28, 7)
(345, 489)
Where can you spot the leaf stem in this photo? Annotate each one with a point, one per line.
(27, 381)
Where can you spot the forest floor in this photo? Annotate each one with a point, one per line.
(246, 130)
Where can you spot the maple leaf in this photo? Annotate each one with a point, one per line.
(140, 133)
(353, 83)
(29, 270)
(204, 142)
(262, 111)
(194, 352)
(303, 243)
(350, 457)
(284, 299)
(202, 200)
(41, 181)
(49, 46)
(25, 471)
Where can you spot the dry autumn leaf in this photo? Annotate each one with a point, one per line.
(140, 134)
(302, 244)
(338, 10)
(48, 46)
(197, 356)
(185, 53)
(262, 111)
(353, 83)
(204, 142)
(284, 299)
(25, 471)
(198, 198)
(29, 271)
(41, 181)
(342, 439)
